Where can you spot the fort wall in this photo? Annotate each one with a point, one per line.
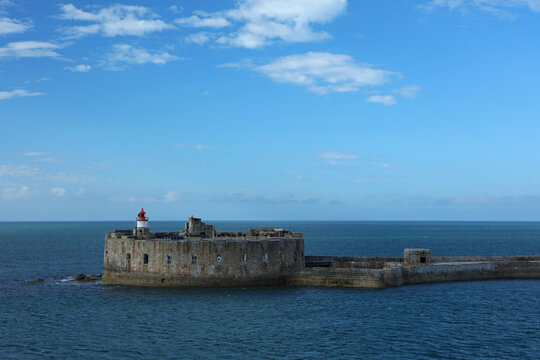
(201, 262)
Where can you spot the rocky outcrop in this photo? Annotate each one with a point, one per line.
(38, 280)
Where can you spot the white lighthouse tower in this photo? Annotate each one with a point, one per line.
(141, 226)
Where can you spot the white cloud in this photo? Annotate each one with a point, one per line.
(13, 26)
(209, 21)
(40, 156)
(408, 92)
(495, 7)
(124, 54)
(199, 38)
(15, 193)
(80, 68)
(115, 20)
(387, 100)
(29, 49)
(188, 146)
(176, 9)
(34, 153)
(58, 191)
(260, 22)
(170, 196)
(335, 155)
(18, 170)
(4, 95)
(322, 72)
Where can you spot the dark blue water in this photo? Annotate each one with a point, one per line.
(65, 320)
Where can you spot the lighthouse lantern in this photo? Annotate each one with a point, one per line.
(141, 225)
(142, 220)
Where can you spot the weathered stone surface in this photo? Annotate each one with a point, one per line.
(380, 272)
(202, 262)
(416, 256)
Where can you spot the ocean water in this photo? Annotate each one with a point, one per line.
(60, 319)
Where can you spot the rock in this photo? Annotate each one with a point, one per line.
(38, 280)
(79, 277)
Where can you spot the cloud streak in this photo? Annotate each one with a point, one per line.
(499, 8)
(4, 95)
(80, 68)
(259, 23)
(32, 49)
(13, 26)
(387, 100)
(123, 55)
(16, 193)
(322, 72)
(115, 20)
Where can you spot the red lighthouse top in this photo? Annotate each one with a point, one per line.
(141, 215)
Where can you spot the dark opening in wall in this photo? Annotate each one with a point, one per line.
(168, 259)
(128, 257)
(218, 259)
(193, 259)
(145, 259)
(423, 259)
(243, 258)
(295, 256)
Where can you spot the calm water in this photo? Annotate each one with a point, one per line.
(67, 320)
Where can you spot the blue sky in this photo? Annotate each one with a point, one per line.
(259, 109)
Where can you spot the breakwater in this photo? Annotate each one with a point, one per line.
(381, 272)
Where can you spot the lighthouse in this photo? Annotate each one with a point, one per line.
(141, 225)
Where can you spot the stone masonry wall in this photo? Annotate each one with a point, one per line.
(213, 262)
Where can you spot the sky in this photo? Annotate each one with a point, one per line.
(270, 110)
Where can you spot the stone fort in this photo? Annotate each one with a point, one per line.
(199, 255)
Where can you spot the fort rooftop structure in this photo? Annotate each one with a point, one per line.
(198, 255)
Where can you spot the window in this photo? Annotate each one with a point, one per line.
(128, 257)
(145, 259)
(295, 257)
(265, 258)
(244, 258)
(423, 259)
(168, 259)
(193, 259)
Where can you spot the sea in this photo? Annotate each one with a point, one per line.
(62, 319)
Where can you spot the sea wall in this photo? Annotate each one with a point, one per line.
(215, 262)
(374, 272)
